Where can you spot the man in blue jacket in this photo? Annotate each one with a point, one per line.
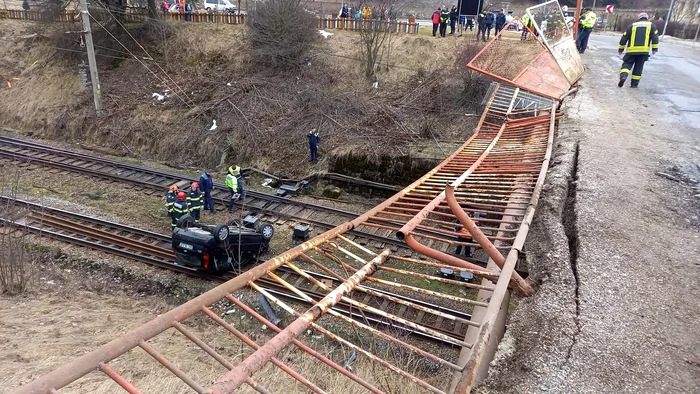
(206, 184)
(314, 141)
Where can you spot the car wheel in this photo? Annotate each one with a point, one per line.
(185, 221)
(267, 231)
(221, 233)
(208, 9)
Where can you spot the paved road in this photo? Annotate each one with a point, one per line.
(672, 76)
(618, 303)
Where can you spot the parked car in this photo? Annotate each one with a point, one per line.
(219, 5)
(219, 248)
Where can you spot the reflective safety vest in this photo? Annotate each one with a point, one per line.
(232, 182)
(170, 198)
(179, 209)
(588, 20)
(527, 22)
(444, 16)
(639, 37)
(195, 199)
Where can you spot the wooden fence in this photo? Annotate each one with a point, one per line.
(368, 24)
(209, 17)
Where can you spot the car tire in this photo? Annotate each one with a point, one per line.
(267, 230)
(185, 221)
(208, 9)
(221, 233)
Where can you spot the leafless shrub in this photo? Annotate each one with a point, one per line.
(474, 84)
(15, 260)
(281, 34)
(375, 38)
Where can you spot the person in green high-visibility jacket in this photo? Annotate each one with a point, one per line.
(585, 27)
(232, 184)
(528, 27)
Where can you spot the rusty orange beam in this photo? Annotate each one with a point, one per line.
(253, 363)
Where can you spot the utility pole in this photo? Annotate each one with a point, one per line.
(668, 16)
(96, 92)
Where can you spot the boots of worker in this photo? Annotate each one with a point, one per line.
(622, 82)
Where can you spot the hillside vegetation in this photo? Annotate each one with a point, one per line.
(206, 73)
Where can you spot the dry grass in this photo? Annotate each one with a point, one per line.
(262, 118)
(56, 329)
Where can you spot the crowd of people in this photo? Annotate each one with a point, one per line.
(179, 203)
(485, 22)
(366, 12)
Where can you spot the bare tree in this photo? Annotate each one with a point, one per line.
(375, 34)
(281, 34)
(15, 260)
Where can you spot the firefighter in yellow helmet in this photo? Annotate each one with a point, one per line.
(639, 38)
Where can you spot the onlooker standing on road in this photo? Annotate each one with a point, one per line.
(586, 24)
(206, 183)
(453, 18)
(436, 21)
(489, 19)
(500, 21)
(470, 23)
(480, 25)
(638, 38)
(314, 141)
(444, 18)
(25, 7)
(528, 27)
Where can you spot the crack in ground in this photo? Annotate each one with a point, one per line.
(569, 220)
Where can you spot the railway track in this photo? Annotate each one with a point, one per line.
(155, 249)
(275, 209)
(496, 177)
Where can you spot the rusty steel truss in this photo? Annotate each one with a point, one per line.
(483, 196)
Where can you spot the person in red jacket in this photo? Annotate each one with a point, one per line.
(436, 21)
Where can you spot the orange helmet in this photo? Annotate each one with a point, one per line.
(173, 188)
(181, 196)
(195, 185)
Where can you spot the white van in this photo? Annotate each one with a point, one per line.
(219, 5)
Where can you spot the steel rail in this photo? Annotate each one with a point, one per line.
(167, 179)
(49, 224)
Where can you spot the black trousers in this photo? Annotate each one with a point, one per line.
(582, 40)
(452, 26)
(486, 33)
(435, 28)
(635, 64)
(443, 29)
(498, 28)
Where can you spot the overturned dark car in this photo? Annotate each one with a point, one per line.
(220, 248)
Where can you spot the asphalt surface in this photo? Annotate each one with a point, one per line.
(616, 249)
